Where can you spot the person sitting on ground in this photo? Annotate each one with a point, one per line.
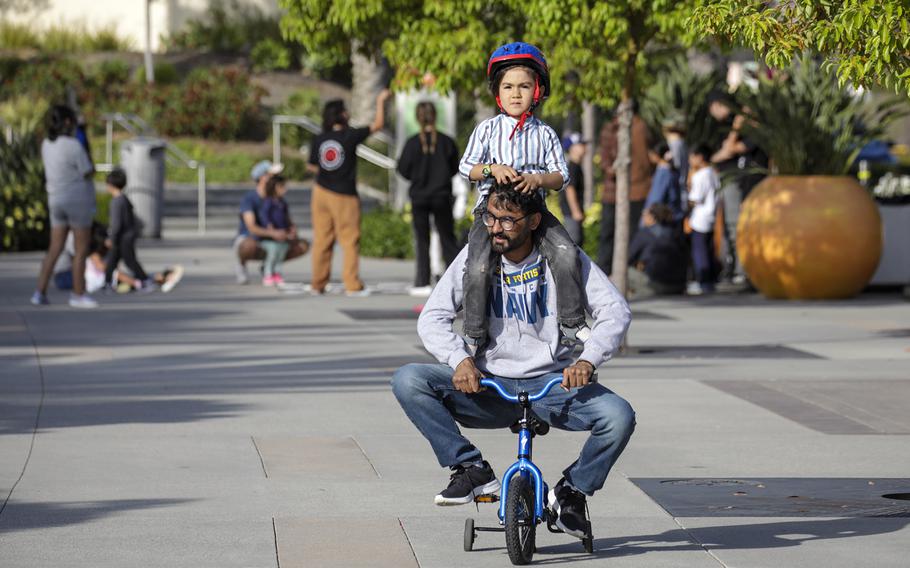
(275, 215)
(525, 353)
(251, 230)
(95, 268)
(665, 184)
(658, 257)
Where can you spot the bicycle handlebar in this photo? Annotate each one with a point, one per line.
(514, 398)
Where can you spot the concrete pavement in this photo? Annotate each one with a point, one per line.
(221, 425)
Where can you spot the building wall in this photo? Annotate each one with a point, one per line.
(167, 16)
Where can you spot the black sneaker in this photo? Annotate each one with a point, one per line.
(569, 508)
(466, 483)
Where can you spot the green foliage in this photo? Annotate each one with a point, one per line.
(677, 92)
(229, 26)
(165, 74)
(867, 41)
(61, 38)
(303, 102)
(808, 124)
(47, 78)
(23, 113)
(112, 72)
(23, 198)
(103, 207)
(385, 234)
(270, 54)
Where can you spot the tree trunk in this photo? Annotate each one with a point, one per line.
(368, 78)
(623, 166)
(588, 132)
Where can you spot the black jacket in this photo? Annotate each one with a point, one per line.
(430, 173)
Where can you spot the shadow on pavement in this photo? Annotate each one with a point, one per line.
(22, 516)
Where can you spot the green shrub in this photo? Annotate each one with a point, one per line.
(47, 78)
(24, 113)
(112, 72)
(18, 36)
(23, 198)
(165, 74)
(386, 234)
(270, 54)
(107, 39)
(303, 102)
(103, 207)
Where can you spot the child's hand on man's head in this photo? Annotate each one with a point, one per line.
(504, 174)
(528, 183)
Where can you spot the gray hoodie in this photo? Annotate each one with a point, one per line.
(523, 329)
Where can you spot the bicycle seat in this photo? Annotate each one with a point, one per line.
(537, 427)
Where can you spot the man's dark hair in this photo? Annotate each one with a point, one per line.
(333, 113)
(702, 150)
(61, 121)
(716, 96)
(506, 196)
(116, 178)
(661, 148)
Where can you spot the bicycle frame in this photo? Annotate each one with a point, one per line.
(524, 466)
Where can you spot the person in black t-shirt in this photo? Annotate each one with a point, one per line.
(428, 160)
(572, 200)
(335, 204)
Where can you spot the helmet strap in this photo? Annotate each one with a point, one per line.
(525, 115)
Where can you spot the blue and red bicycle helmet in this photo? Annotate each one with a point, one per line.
(525, 54)
(520, 54)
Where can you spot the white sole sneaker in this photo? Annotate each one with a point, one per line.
(173, 279)
(553, 505)
(84, 302)
(491, 487)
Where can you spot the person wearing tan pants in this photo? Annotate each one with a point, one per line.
(336, 217)
(335, 205)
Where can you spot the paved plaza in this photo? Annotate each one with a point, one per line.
(223, 425)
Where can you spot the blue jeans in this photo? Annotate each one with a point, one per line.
(428, 397)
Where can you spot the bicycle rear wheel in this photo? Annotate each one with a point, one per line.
(520, 526)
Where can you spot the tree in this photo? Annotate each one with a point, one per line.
(868, 41)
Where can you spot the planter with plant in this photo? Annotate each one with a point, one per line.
(810, 231)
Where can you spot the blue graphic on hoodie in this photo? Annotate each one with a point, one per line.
(526, 294)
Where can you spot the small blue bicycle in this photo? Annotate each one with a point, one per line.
(521, 502)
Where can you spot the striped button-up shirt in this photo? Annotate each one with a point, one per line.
(533, 149)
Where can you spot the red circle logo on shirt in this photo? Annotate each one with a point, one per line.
(331, 155)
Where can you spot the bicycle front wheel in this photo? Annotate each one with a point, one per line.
(519, 521)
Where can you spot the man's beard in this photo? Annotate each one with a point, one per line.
(509, 245)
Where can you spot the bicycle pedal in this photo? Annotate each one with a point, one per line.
(489, 498)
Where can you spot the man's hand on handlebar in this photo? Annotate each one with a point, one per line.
(578, 375)
(467, 378)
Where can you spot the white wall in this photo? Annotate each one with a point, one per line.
(128, 16)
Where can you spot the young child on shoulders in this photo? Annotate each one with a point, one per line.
(516, 147)
(702, 205)
(275, 215)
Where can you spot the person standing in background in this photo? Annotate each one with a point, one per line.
(639, 183)
(335, 204)
(572, 199)
(428, 160)
(71, 203)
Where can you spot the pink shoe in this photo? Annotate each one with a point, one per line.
(268, 281)
(278, 280)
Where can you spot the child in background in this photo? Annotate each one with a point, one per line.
(123, 230)
(665, 188)
(702, 205)
(572, 198)
(515, 147)
(274, 215)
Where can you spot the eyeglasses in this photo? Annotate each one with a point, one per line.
(505, 222)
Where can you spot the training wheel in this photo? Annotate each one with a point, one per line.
(469, 535)
(588, 541)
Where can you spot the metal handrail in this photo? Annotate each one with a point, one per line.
(136, 126)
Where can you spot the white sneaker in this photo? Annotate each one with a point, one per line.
(694, 289)
(84, 301)
(362, 293)
(172, 279)
(240, 272)
(39, 299)
(420, 291)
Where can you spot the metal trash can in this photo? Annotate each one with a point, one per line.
(142, 159)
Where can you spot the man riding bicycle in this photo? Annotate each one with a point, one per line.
(523, 352)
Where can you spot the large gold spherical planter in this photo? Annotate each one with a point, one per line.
(809, 237)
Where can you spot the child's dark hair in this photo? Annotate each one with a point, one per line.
(662, 213)
(116, 178)
(334, 112)
(508, 197)
(497, 78)
(661, 149)
(61, 121)
(702, 150)
(271, 186)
